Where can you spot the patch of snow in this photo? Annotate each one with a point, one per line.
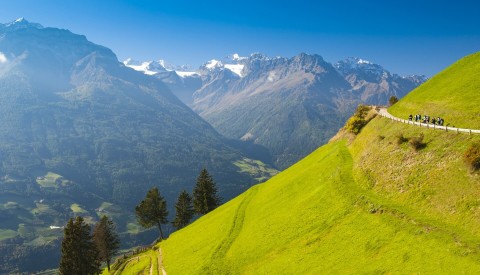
(22, 23)
(148, 67)
(235, 68)
(212, 64)
(186, 74)
(362, 61)
(163, 63)
(155, 67)
(55, 227)
(144, 67)
(259, 56)
(272, 76)
(247, 136)
(3, 58)
(129, 62)
(237, 57)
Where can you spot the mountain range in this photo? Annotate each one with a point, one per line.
(81, 133)
(85, 134)
(289, 105)
(365, 203)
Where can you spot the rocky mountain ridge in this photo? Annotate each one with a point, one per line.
(285, 103)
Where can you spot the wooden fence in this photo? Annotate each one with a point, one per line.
(384, 113)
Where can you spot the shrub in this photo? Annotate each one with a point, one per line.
(472, 156)
(392, 100)
(401, 139)
(358, 121)
(362, 111)
(417, 143)
(355, 124)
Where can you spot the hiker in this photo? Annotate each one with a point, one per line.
(433, 121)
(410, 117)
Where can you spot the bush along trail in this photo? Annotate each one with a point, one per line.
(383, 112)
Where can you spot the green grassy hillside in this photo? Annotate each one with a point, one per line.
(347, 208)
(364, 204)
(453, 94)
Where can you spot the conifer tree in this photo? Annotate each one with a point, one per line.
(79, 254)
(106, 240)
(184, 210)
(205, 197)
(152, 210)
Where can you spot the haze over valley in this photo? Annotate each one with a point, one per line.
(260, 138)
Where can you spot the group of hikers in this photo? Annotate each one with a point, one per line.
(426, 119)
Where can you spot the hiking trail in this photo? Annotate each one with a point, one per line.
(383, 112)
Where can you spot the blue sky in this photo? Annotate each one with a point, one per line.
(406, 37)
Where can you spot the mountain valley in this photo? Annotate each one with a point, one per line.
(288, 105)
(82, 134)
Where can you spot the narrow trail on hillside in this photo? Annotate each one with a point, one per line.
(383, 112)
(160, 262)
(126, 262)
(235, 229)
(151, 268)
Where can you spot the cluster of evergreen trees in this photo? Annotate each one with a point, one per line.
(152, 211)
(83, 252)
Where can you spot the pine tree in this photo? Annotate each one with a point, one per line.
(106, 240)
(205, 197)
(152, 210)
(184, 210)
(79, 254)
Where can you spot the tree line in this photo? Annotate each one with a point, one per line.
(152, 210)
(83, 252)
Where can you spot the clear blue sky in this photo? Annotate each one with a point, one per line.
(406, 37)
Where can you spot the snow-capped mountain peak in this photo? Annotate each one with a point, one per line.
(237, 57)
(160, 66)
(355, 62)
(235, 68)
(213, 64)
(259, 56)
(354, 65)
(235, 65)
(147, 67)
(361, 61)
(21, 23)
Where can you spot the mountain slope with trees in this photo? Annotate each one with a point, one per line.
(81, 134)
(369, 202)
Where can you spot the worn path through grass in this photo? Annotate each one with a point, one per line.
(383, 112)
